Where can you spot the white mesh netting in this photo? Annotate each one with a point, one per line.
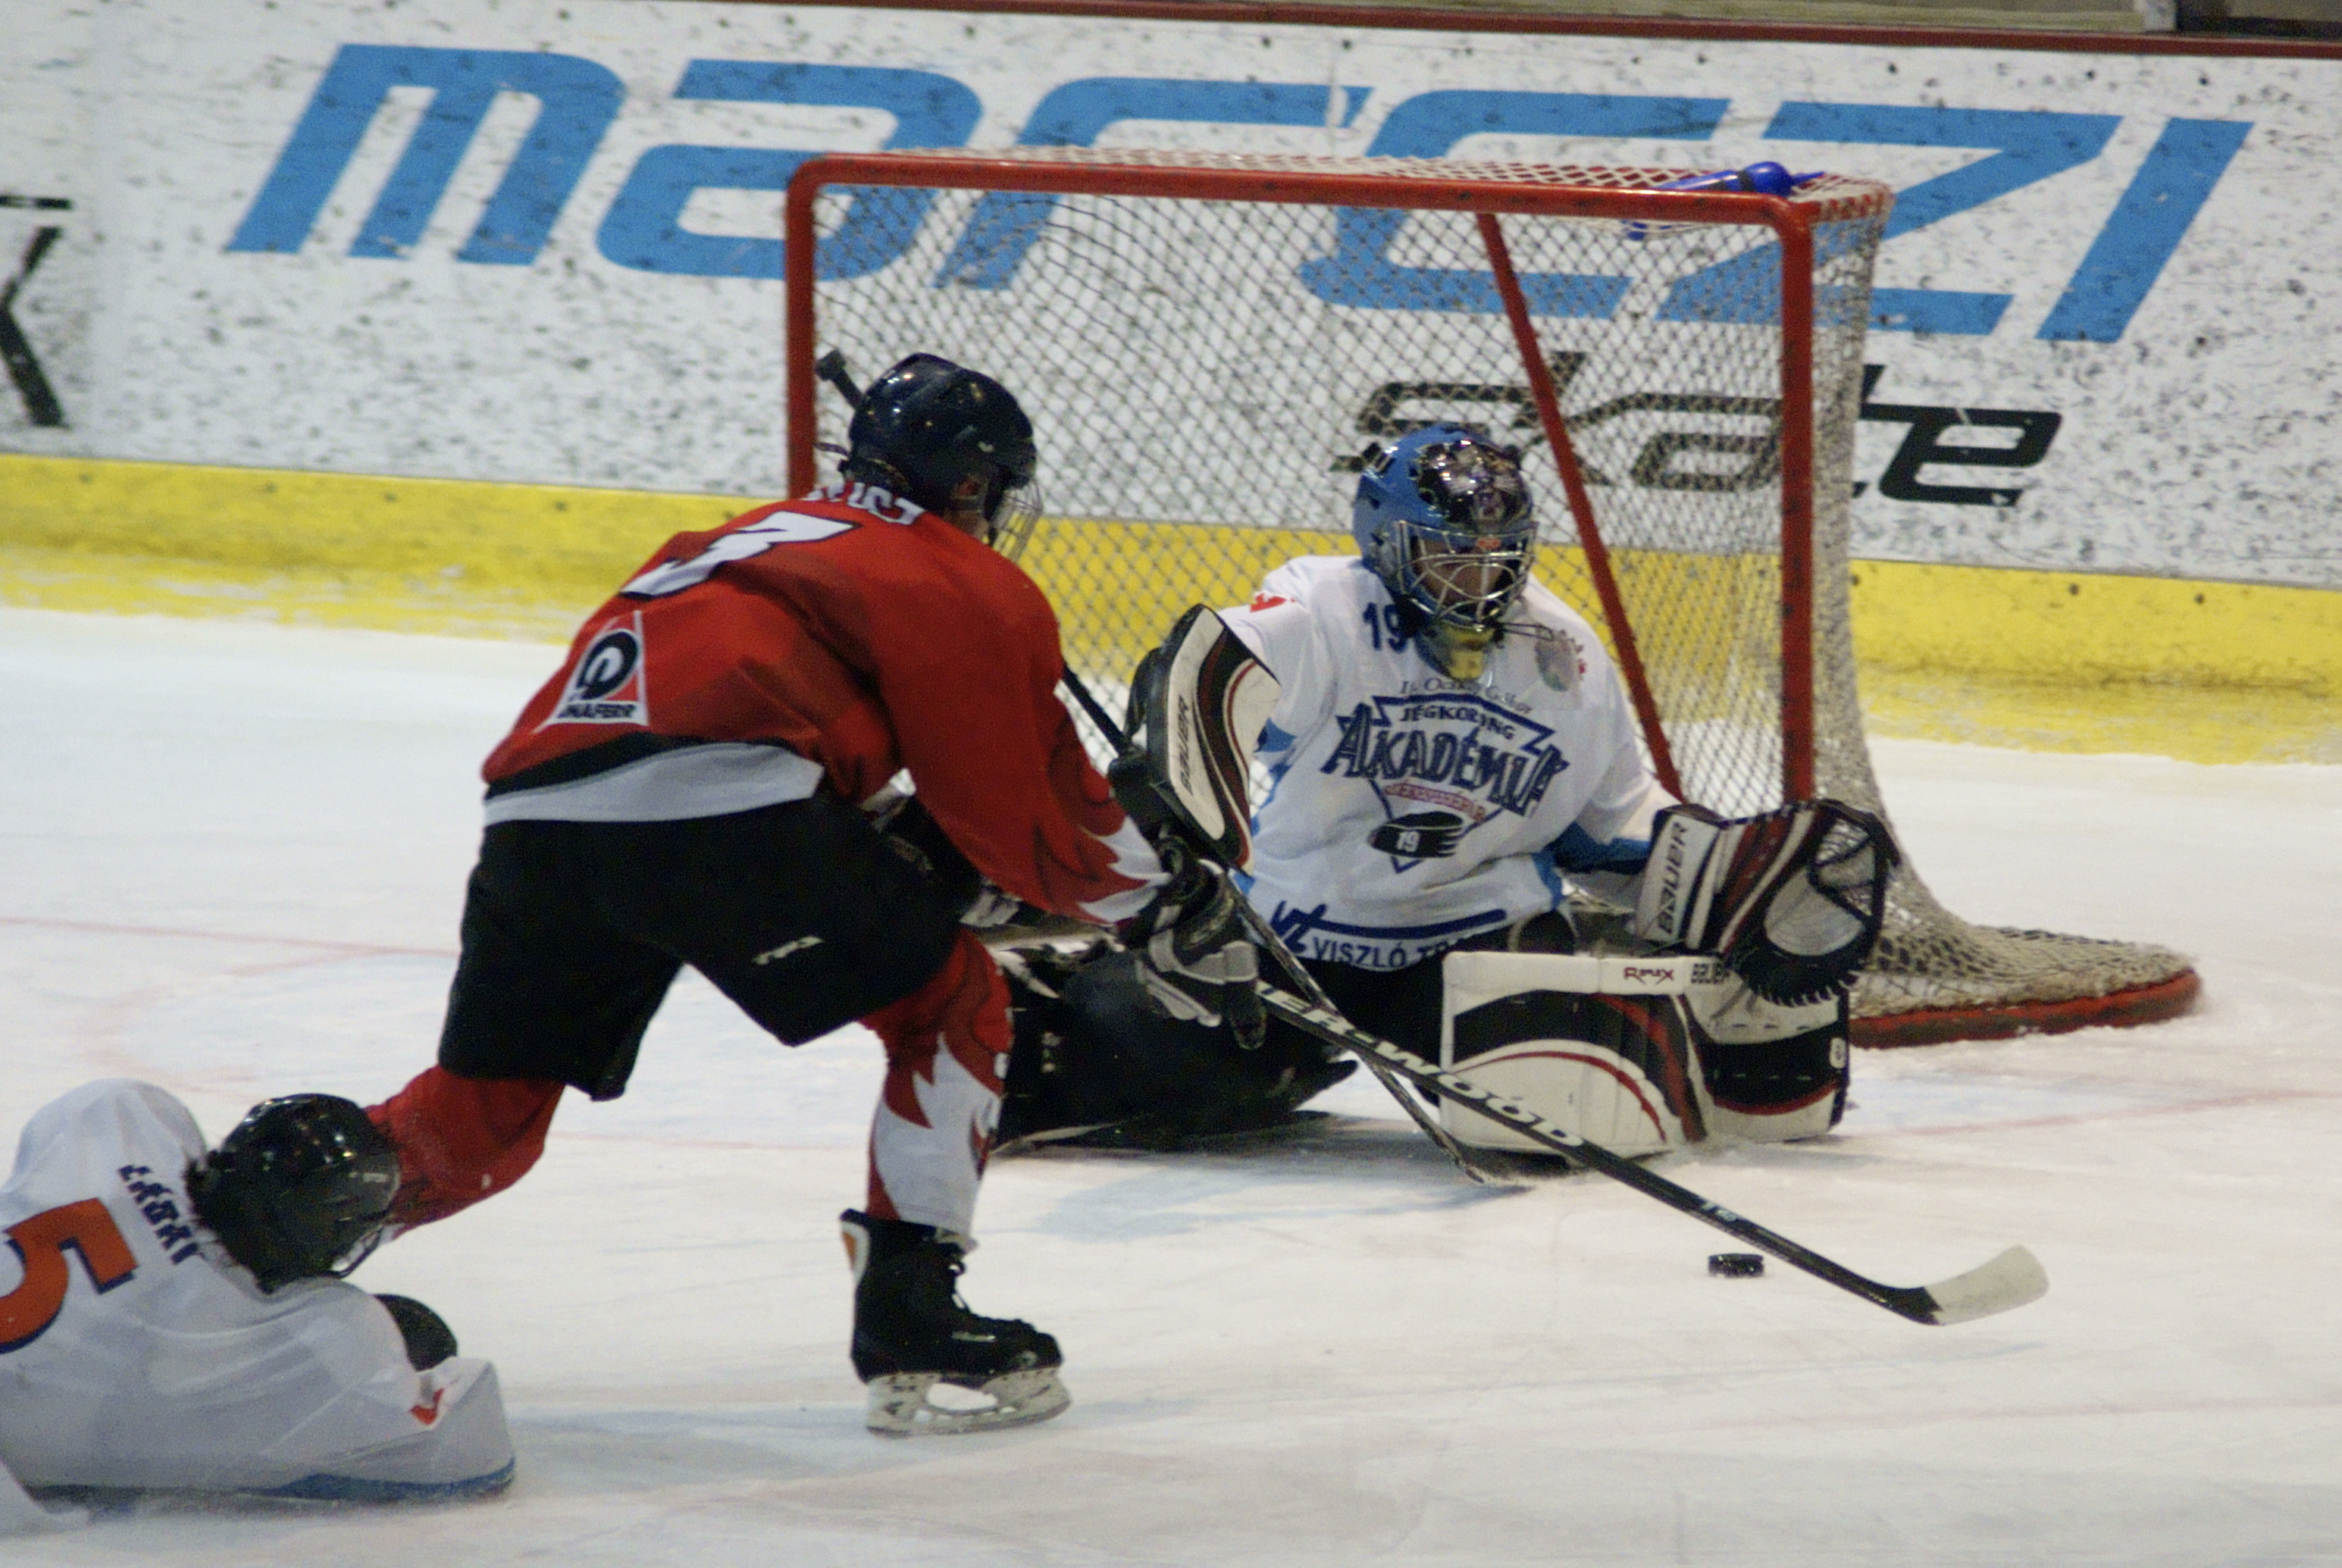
(1201, 375)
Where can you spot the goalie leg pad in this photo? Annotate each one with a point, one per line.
(1771, 1073)
(1093, 1059)
(1612, 1056)
(1640, 1056)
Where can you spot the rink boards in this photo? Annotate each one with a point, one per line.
(443, 314)
(2060, 661)
(536, 243)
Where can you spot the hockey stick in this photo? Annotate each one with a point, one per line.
(1314, 995)
(1269, 941)
(2008, 1281)
(1099, 715)
(2004, 1283)
(831, 368)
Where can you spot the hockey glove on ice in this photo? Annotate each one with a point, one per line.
(1792, 901)
(1194, 954)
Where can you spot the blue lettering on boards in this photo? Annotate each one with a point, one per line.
(2170, 187)
(1005, 224)
(2029, 144)
(577, 100)
(1360, 271)
(644, 227)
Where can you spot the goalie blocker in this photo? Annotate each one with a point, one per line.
(1639, 1054)
(1197, 703)
(1184, 776)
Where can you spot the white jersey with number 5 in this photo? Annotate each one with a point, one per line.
(1411, 811)
(135, 1354)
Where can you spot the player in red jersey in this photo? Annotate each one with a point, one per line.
(689, 789)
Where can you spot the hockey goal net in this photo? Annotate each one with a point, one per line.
(1205, 343)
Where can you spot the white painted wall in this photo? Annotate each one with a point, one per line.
(2192, 224)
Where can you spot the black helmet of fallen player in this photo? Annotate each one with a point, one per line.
(927, 426)
(299, 1189)
(1444, 519)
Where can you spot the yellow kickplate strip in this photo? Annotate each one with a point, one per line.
(109, 584)
(402, 555)
(2050, 661)
(2194, 724)
(2074, 627)
(2211, 672)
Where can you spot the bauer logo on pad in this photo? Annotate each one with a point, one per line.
(608, 686)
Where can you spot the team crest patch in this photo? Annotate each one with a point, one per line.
(1560, 661)
(1419, 835)
(606, 687)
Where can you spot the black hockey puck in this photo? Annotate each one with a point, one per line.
(1735, 1265)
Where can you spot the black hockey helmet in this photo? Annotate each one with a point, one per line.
(299, 1189)
(928, 426)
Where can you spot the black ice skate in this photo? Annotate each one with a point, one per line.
(912, 1332)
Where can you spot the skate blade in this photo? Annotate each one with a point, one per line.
(899, 1406)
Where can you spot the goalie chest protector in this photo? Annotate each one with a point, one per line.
(1411, 811)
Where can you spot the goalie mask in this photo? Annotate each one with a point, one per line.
(299, 1189)
(1443, 517)
(927, 426)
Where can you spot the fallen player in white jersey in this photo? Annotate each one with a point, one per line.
(1456, 766)
(172, 1318)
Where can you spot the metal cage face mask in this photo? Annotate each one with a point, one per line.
(1466, 568)
(1012, 514)
(1464, 580)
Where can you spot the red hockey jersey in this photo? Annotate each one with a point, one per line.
(842, 638)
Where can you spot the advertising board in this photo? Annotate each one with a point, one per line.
(538, 241)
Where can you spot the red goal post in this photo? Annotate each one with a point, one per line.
(1198, 336)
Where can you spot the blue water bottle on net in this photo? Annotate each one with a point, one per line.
(1766, 179)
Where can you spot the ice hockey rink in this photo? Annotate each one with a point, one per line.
(234, 858)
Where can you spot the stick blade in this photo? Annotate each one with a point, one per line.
(2008, 1282)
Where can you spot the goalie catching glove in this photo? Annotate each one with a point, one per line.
(1193, 955)
(1791, 900)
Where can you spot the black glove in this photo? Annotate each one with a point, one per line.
(907, 830)
(1194, 954)
(1132, 779)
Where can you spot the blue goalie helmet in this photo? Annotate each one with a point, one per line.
(1444, 519)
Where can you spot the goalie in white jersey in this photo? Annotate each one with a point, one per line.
(1453, 754)
(171, 1318)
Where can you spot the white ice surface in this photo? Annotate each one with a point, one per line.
(234, 858)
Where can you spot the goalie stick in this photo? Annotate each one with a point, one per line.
(1315, 997)
(2000, 1284)
(1225, 845)
(2006, 1282)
